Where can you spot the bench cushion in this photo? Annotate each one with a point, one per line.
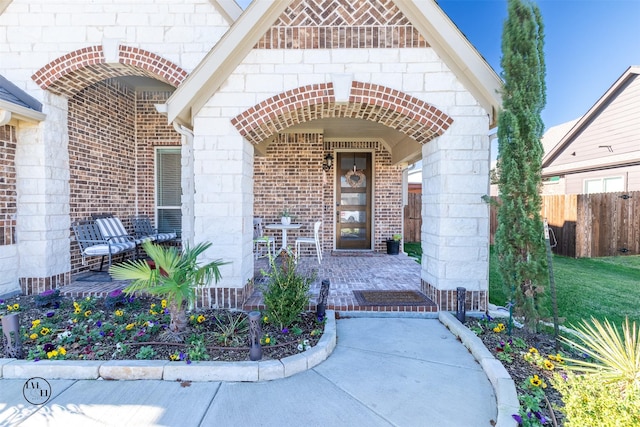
(103, 249)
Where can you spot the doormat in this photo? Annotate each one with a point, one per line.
(94, 276)
(382, 298)
(355, 254)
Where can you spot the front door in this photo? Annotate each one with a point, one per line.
(353, 181)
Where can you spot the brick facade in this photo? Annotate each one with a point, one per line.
(8, 195)
(350, 24)
(112, 135)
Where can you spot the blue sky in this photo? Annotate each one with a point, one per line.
(588, 45)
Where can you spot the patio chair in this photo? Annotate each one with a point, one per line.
(112, 229)
(259, 238)
(142, 228)
(92, 243)
(311, 240)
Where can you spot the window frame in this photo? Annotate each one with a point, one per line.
(159, 150)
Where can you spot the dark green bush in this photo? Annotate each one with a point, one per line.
(286, 293)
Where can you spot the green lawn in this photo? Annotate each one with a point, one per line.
(606, 287)
(414, 250)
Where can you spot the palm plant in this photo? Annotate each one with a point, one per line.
(616, 358)
(175, 278)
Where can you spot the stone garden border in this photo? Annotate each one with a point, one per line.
(503, 385)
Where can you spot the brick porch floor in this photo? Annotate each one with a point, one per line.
(346, 272)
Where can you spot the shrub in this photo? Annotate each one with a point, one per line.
(589, 400)
(286, 293)
(615, 357)
(606, 391)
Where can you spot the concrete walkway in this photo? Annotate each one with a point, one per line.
(383, 372)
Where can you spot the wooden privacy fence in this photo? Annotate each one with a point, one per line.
(591, 225)
(413, 218)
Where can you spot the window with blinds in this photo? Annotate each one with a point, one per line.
(168, 190)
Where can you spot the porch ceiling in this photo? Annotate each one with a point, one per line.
(401, 147)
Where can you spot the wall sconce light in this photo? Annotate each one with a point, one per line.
(328, 162)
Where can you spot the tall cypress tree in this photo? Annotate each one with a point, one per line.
(519, 236)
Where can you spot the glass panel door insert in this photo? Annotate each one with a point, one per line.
(353, 222)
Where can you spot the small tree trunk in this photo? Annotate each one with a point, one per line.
(178, 323)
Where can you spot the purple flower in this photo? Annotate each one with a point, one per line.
(50, 313)
(47, 293)
(181, 355)
(541, 417)
(518, 418)
(101, 333)
(48, 347)
(115, 294)
(188, 361)
(37, 359)
(1, 301)
(285, 330)
(98, 323)
(320, 317)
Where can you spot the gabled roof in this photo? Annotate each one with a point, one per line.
(17, 104)
(443, 36)
(554, 134)
(583, 123)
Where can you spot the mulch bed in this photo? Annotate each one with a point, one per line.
(96, 332)
(519, 369)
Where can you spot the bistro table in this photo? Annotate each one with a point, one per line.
(284, 229)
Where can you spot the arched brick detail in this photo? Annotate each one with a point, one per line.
(160, 67)
(397, 110)
(76, 70)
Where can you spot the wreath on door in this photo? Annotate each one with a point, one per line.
(355, 178)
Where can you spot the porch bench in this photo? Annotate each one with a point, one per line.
(93, 243)
(142, 228)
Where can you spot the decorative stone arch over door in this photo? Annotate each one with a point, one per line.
(400, 111)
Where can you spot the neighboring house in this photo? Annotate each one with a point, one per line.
(203, 116)
(553, 135)
(601, 151)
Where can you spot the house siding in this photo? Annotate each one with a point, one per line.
(616, 124)
(629, 174)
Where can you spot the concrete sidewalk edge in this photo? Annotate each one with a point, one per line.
(503, 385)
